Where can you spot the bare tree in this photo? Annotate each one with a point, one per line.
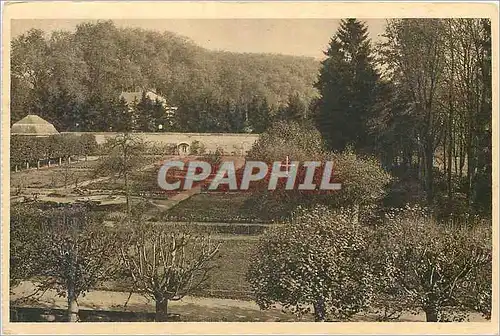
(167, 262)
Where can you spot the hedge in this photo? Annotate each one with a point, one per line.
(28, 149)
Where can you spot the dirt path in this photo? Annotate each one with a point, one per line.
(191, 308)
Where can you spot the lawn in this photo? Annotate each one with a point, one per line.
(216, 207)
(53, 177)
(228, 280)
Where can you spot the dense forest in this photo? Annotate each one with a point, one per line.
(74, 79)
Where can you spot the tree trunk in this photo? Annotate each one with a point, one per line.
(356, 210)
(60, 161)
(161, 310)
(431, 314)
(429, 166)
(38, 164)
(127, 194)
(72, 307)
(319, 310)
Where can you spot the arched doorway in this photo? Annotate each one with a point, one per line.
(183, 148)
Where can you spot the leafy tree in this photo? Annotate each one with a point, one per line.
(440, 268)
(124, 155)
(144, 114)
(70, 250)
(296, 109)
(300, 142)
(87, 145)
(348, 87)
(124, 116)
(166, 262)
(25, 243)
(259, 114)
(362, 178)
(318, 259)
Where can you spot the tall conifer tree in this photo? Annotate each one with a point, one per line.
(347, 84)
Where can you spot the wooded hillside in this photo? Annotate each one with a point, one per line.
(73, 79)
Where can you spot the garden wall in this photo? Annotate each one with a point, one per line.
(229, 142)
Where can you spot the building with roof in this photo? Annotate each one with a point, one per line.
(134, 97)
(33, 125)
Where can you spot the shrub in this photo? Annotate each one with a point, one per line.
(197, 148)
(301, 142)
(317, 259)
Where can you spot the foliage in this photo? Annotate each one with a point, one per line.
(124, 155)
(348, 85)
(197, 148)
(301, 142)
(74, 79)
(443, 269)
(70, 250)
(318, 259)
(25, 243)
(166, 262)
(435, 108)
(362, 178)
(32, 149)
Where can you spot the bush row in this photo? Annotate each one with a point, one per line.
(31, 149)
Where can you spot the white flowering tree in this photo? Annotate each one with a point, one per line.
(317, 262)
(442, 269)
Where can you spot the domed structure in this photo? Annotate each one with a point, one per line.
(33, 125)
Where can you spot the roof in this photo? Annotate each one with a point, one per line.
(135, 97)
(33, 125)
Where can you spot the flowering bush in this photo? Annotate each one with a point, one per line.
(317, 262)
(443, 269)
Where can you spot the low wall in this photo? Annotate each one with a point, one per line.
(229, 142)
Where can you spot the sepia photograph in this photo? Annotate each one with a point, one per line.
(289, 169)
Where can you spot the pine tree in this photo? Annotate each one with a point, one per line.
(123, 121)
(347, 84)
(144, 110)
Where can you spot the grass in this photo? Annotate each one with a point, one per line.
(216, 207)
(48, 177)
(228, 280)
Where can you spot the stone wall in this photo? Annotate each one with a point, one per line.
(230, 143)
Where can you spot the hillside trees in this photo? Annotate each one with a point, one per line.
(347, 85)
(73, 79)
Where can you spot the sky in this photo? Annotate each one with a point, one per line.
(300, 37)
